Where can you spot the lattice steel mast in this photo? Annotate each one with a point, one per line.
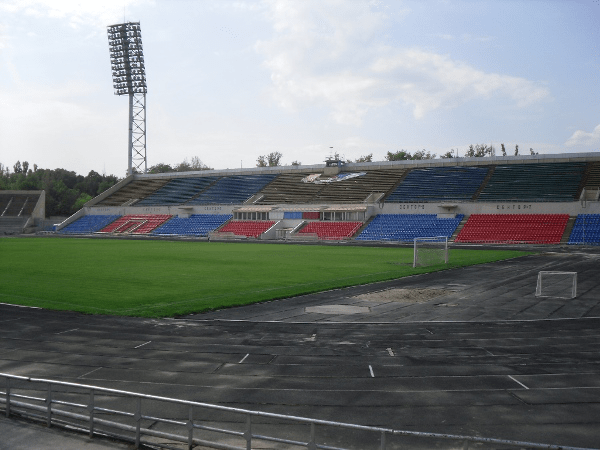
(129, 78)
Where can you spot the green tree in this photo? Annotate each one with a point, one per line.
(273, 159)
(503, 149)
(81, 200)
(516, 150)
(365, 158)
(197, 164)
(160, 168)
(400, 155)
(479, 151)
(423, 154)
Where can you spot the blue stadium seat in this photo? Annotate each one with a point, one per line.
(438, 184)
(195, 225)
(178, 191)
(233, 189)
(586, 230)
(406, 227)
(88, 224)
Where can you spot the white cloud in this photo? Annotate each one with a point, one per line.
(328, 54)
(583, 138)
(78, 13)
(429, 81)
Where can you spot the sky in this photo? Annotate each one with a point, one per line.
(229, 80)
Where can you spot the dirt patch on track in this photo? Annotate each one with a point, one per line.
(404, 295)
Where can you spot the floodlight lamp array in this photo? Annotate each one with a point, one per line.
(127, 58)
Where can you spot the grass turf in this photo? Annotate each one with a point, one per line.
(167, 278)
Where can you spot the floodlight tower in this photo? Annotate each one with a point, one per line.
(129, 78)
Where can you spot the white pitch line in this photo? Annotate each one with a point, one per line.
(390, 351)
(74, 329)
(242, 360)
(371, 370)
(141, 345)
(517, 381)
(92, 371)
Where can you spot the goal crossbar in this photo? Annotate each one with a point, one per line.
(556, 284)
(430, 251)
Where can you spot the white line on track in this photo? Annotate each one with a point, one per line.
(141, 345)
(486, 350)
(86, 374)
(390, 351)
(74, 329)
(517, 381)
(242, 360)
(371, 370)
(19, 306)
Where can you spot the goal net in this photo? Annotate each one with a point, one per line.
(556, 284)
(429, 251)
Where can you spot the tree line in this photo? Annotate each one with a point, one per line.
(66, 191)
(474, 151)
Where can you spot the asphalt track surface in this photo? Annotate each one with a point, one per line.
(489, 358)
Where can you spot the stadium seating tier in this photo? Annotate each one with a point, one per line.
(136, 223)
(439, 184)
(514, 228)
(195, 225)
(331, 230)
(248, 228)
(406, 227)
(586, 230)
(89, 224)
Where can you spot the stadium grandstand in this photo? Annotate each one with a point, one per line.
(536, 199)
(21, 211)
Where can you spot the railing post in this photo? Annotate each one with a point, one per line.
(248, 433)
(91, 411)
(138, 420)
(190, 427)
(7, 397)
(382, 440)
(312, 445)
(49, 405)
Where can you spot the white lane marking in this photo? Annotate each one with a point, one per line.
(313, 338)
(141, 345)
(371, 370)
(486, 350)
(86, 374)
(19, 306)
(74, 329)
(517, 381)
(242, 360)
(390, 351)
(430, 332)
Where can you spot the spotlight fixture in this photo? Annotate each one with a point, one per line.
(129, 78)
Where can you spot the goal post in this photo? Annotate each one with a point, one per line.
(556, 284)
(429, 251)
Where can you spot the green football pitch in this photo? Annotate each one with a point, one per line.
(156, 278)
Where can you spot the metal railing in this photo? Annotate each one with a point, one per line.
(59, 412)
